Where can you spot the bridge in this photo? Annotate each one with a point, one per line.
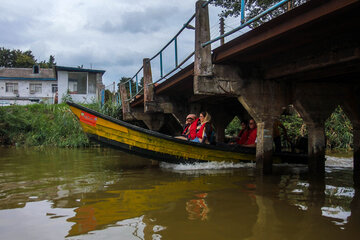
(307, 57)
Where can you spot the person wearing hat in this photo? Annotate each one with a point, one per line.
(189, 120)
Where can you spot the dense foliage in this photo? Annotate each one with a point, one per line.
(339, 130)
(47, 125)
(40, 124)
(19, 59)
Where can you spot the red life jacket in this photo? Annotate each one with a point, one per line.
(192, 130)
(252, 136)
(200, 133)
(243, 136)
(187, 127)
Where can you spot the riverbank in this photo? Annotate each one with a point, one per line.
(55, 125)
(40, 125)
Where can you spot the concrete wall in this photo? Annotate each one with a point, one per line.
(63, 85)
(24, 92)
(63, 82)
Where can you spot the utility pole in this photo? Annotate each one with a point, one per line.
(290, 5)
(222, 31)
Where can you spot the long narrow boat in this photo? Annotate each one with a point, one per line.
(154, 145)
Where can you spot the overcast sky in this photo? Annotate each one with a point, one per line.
(110, 35)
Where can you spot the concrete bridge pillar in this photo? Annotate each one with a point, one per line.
(356, 145)
(153, 121)
(264, 145)
(316, 147)
(315, 103)
(351, 107)
(264, 100)
(149, 103)
(125, 102)
(220, 120)
(202, 60)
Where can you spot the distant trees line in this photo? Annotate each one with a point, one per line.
(18, 59)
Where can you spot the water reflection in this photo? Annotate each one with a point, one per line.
(106, 194)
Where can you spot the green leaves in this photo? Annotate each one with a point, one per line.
(19, 59)
(41, 125)
(338, 129)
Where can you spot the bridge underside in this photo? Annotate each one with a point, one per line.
(308, 57)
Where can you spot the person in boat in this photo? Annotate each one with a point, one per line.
(204, 131)
(193, 128)
(252, 134)
(189, 120)
(277, 135)
(243, 134)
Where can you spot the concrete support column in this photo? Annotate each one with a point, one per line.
(356, 145)
(154, 121)
(264, 100)
(124, 101)
(264, 145)
(202, 61)
(316, 148)
(220, 120)
(149, 103)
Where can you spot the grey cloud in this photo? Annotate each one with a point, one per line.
(152, 20)
(14, 32)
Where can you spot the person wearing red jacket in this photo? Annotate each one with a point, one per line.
(243, 134)
(251, 140)
(189, 120)
(204, 130)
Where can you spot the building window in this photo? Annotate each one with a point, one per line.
(36, 69)
(35, 88)
(92, 83)
(12, 87)
(78, 82)
(54, 88)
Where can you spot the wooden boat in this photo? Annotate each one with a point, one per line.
(157, 146)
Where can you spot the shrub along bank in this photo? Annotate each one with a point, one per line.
(46, 125)
(55, 125)
(40, 124)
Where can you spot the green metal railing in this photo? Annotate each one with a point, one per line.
(247, 23)
(175, 41)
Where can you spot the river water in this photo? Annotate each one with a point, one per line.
(108, 194)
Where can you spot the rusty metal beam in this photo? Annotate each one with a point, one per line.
(299, 17)
(177, 78)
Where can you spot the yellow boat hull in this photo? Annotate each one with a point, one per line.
(151, 144)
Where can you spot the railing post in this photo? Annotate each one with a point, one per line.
(124, 101)
(176, 51)
(242, 11)
(148, 86)
(222, 30)
(202, 61)
(137, 84)
(161, 65)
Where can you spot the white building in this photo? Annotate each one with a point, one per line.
(30, 85)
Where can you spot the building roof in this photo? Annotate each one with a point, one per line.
(27, 74)
(75, 69)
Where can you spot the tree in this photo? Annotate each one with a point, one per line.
(232, 8)
(7, 57)
(49, 64)
(24, 61)
(133, 84)
(19, 59)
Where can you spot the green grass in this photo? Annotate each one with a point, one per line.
(41, 125)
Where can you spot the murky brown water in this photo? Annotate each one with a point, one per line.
(107, 194)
